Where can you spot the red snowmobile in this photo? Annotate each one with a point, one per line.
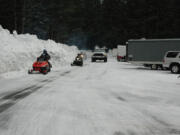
(40, 66)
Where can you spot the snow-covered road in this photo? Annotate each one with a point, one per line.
(98, 99)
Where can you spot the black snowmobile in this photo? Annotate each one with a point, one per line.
(78, 61)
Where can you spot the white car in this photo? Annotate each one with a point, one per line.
(99, 55)
(172, 61)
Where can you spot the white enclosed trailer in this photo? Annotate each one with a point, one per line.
(150, 52)
(121, 52)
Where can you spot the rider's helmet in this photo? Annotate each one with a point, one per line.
(44, 51)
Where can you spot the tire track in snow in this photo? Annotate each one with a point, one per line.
(11, 99)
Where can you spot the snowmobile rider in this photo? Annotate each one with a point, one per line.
(45, 56)
(79, 56)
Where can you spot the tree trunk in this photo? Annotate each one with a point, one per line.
(15, 15)
(23, 15)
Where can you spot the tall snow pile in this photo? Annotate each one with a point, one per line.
(18, 52)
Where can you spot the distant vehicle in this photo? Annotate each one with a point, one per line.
(150, 52)
(99, 54)
(78, 60)
(121, 53)
(172, 61)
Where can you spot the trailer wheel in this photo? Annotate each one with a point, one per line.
(154, 67)
(175, 68)
(161, 67)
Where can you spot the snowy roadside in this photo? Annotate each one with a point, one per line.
(99, 98)
(17, 80)
(18, 52)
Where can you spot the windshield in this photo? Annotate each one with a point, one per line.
(98, 54)
(172, 54)
(99, 50)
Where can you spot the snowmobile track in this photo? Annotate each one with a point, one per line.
(12, 98)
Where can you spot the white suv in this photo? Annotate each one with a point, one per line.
(172, 61)
(99, 55)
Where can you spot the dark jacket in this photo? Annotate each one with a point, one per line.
(45, 56)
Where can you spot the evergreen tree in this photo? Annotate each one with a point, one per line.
(87, 23)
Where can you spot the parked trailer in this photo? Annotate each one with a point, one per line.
(121, 53)
(150, 52)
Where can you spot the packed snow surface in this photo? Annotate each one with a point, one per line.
(18, 52)
(97, 99)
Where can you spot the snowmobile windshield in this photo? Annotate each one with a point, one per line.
(40, 59)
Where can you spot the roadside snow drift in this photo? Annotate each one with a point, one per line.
(18, 52)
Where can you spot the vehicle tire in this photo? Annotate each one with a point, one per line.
(105, 60)
(92, 60)
(81, 64)
(175, 68)
(154, 67)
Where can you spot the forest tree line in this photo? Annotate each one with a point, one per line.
(87, 23)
